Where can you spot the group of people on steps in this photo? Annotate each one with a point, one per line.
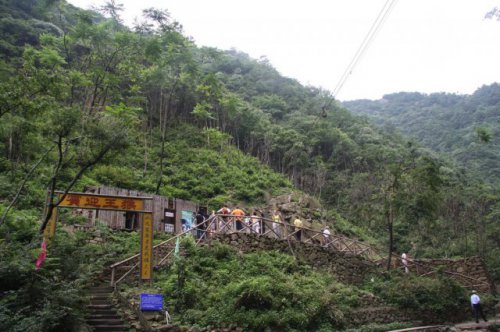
(237, 220)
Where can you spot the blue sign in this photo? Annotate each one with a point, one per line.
(151, 301)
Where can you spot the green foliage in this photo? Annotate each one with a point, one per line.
(46, 300)
(52, 298)
(260, 291)
(86, 101)
(433, 298)
(464, 127)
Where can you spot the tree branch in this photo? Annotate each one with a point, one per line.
(82, 170)
(26, 178)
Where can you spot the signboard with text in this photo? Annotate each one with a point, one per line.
(169, 220)
(102, 202)
(114, 203)
(147, 247)
(151, 301)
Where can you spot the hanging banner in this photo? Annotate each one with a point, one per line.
(147, 246)
(42, 256)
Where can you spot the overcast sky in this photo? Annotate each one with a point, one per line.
(424, 45)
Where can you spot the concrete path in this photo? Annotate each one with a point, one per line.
(481, 326)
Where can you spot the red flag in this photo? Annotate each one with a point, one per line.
(42, 255)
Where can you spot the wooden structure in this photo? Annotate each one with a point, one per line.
(473, 277)
(130, 220)
(229, 224)
(138, 205)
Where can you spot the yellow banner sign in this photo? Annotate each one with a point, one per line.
(147, 247)
(101, 202)
(50, 228)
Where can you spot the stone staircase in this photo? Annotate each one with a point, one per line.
(102, 314)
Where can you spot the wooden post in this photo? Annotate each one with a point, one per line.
(50, 229)
(112, 282)
(147, 247)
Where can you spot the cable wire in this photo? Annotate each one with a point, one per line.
(367, 40)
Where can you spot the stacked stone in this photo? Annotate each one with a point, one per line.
(347, 267)
(471, 271)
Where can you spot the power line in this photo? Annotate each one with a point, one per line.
(361, 47)
(369, 37)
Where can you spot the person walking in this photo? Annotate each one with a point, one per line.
(238, 221)
(404, 260)
(298, 228)
(475, 302)
(277, 224)
(224, 225)
(200, 225)
(326, 236)
(255, 223)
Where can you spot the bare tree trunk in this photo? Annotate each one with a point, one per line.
(391, 240)
(163, 128)
(145, 167)
(11, 145)
(390, 223)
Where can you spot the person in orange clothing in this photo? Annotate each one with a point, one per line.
(239, 214)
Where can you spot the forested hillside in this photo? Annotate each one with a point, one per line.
(95, 102)
(86, 100)
(464, 127)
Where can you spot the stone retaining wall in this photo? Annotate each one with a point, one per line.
(347, 267)
(470, 272)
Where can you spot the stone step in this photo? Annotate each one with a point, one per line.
(109, 328)
(98, 302)
(110, 311)
(102, 312)
(110, 315)
(101, 291)
(100, 306)
(102, 321)
(101, 297)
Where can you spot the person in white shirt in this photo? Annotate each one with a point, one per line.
(326, 236)
(475, 302)
(255, 220)
(404, 260)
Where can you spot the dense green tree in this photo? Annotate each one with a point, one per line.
(84, 100)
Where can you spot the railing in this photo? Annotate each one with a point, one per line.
(229, 224)
(225, 224)
(423, 270)
(156, 254)
(284, 231)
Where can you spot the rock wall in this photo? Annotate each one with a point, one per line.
(470, 272)
(347, 267)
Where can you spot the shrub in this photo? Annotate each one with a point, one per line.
(433, 299)
(261, 291)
